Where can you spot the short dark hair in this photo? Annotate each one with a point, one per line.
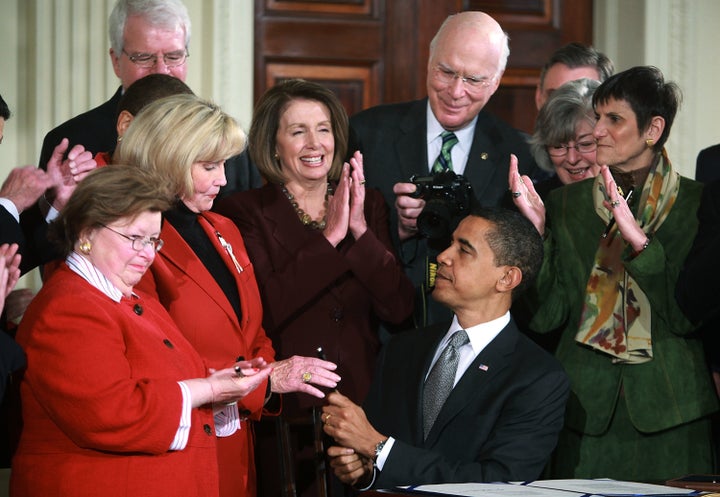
(576, 55)
(514, 242)
(645, 89)
(148, 89)
(266, 121)
(4, 109)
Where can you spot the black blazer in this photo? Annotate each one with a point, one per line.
(95, 130)
(707, 167)
(393, 140)
(500, 422)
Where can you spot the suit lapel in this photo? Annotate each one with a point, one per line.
(411, 143)
(178, 253)
(489, 365)
(481, 167)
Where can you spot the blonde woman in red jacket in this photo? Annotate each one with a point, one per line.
(204, 277)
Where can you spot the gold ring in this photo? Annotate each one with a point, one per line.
(306, 377)
(362, 182)
(614, 203)
(327, 416)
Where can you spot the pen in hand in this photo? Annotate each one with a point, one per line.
(321, 355)
(612, 220)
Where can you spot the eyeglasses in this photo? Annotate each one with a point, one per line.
(148, 60)
(138, 242)
(562, 150)
(446, 76)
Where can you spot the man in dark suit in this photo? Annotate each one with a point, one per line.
(467, 60)
(505, 399)
(707, 167)
(698, 283)
(146, 38)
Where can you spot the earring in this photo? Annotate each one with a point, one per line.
(276, 156)
(85, 247)
(649, 142)
(119, 139)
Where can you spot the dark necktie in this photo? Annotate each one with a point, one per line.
(440, 381)
(444, 159)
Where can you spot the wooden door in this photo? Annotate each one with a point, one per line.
(375, 51)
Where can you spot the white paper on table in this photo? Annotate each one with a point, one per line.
(610, 488)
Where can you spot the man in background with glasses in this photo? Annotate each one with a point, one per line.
(447, 130)
(146, 37)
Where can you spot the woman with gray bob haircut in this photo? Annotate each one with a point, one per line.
(563, 142)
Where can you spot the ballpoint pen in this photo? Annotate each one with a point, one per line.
(612, 220)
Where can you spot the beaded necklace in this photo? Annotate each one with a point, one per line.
(304, 217)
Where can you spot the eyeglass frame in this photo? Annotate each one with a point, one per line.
(157, 243)
(553, 150)
(473, 83)
(134, 58)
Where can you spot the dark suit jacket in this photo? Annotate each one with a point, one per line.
(315, 294)
(698, 284)
(96, 130)
(707, 167)
(500, 422)
(393, 140)
(30, 235)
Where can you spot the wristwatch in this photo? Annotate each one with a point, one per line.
(379, 447)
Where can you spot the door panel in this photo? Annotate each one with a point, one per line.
(375, 51)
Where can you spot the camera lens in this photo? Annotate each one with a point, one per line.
(434, 220)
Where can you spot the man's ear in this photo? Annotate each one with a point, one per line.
(123, 122)
(510, 279)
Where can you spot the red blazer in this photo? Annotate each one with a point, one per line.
(205, 316)
(317, 295)
(100, 398)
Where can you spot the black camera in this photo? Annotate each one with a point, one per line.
(448, 198)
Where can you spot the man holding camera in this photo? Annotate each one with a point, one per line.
(447, 130)
(473, 400)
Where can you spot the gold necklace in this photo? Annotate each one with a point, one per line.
(304, 217)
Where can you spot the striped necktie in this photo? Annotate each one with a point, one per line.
(444, 159)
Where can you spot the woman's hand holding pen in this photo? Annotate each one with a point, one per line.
(299, 374)
(621, 213)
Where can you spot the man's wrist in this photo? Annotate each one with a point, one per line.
(378, 448)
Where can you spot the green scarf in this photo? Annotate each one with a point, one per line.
(616, 315)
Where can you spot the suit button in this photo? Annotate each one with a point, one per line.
(168, 343)
(138, 309)
(337, 314)
(208, 429)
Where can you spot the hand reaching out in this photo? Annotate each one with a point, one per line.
(299, 373)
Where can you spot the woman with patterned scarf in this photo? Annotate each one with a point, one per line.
(642, 394)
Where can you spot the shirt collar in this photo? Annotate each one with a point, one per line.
(481, 334)
(464, 135)
(82, 266)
